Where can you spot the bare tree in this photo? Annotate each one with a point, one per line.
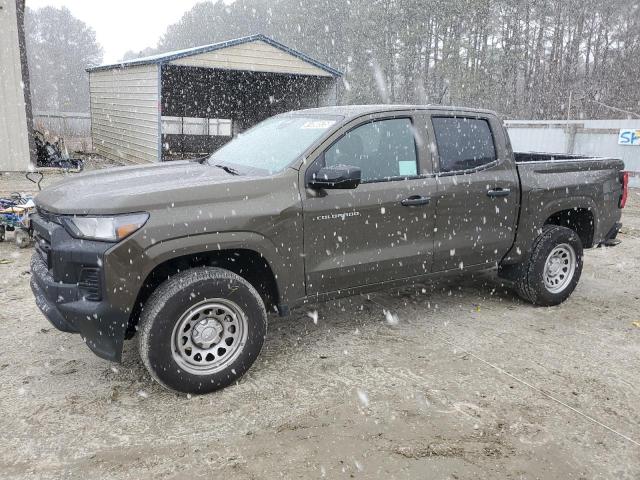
(59, 49)
(523, 58)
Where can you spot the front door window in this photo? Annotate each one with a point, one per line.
(383, 150)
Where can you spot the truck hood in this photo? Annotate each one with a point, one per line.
(137, 188)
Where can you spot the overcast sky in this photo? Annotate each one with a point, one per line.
(123, 25)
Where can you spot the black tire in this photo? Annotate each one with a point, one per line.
(531, 284)
(22, 238)
(2, 233)
(163, 355)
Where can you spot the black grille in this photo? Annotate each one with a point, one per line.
(42, 237)
(43, 247)
(89, 284)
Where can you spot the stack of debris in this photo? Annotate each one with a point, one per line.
(54, 154)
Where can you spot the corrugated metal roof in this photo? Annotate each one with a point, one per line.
(189, 52)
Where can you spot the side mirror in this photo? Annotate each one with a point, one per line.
(337, 176)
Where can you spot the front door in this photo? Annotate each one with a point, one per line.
(383, 229)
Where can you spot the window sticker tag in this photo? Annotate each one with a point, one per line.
(318, 124)
(407, 168)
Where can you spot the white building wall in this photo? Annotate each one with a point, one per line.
(14, 127)
(588, 137)
(124, 113)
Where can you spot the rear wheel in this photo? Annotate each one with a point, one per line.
(201, 330)
(2, 233)
(553, 269)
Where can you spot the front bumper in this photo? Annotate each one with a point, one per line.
(65, 302)
(101, 326)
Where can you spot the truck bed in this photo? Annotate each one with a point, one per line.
(569, 185)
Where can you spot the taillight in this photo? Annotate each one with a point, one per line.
(624, 179)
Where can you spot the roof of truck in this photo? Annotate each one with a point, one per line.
(352, 111)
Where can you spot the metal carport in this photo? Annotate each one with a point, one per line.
(189, 102)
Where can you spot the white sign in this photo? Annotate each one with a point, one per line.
(629, 136)
(321, 124)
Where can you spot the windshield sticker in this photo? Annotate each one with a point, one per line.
(318, 124)
(407, 168)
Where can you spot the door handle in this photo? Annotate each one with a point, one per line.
(499, 192)
(415, 200)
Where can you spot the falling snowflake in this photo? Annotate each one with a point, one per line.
(392, 318)
(363, 398)
(313, 316)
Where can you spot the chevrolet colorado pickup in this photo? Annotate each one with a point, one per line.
(308, 206)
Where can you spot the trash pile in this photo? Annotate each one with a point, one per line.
(15, 213)
(54, 153)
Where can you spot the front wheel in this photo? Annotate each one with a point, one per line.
(553, 269)
(201, 330)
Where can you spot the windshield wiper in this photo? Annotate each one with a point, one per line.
(229, 170)
(200, 160)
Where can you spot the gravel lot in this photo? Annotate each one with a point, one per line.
(469, 383)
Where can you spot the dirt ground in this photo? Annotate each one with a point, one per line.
(468, 383)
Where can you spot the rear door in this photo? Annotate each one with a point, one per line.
(383, 229)
(478, 188)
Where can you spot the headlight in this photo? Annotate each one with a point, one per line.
(110, 229)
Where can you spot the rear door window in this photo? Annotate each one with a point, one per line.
(383, 150)
(463, 143)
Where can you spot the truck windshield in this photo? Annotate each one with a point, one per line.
(273, 144)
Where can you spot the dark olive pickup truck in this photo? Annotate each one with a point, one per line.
(304, 207)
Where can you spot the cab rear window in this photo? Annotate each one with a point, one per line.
(463, 143)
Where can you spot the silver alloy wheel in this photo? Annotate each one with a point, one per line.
(559, 268)
(209, 336)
